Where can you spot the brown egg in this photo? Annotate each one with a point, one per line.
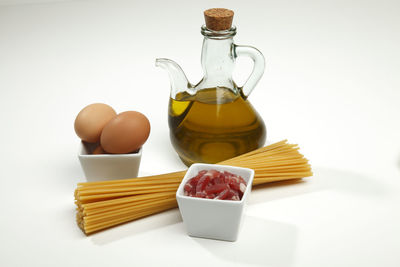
(91, 120)
(98, 150)
(125, 133)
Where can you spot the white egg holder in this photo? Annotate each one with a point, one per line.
(104, 167)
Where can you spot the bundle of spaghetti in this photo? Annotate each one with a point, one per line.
(101, 205)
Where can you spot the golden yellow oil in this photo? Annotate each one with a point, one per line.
(213, 125)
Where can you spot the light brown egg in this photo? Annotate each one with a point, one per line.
(98, 150)
(91, 120)
(125, 133)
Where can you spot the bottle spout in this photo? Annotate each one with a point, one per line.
(179, 82)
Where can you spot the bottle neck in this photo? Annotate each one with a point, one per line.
(217, 60)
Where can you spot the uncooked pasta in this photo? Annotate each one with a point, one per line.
(101, 205)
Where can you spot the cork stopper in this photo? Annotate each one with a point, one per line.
(218, 19)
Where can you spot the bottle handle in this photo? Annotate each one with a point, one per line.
(258, 68)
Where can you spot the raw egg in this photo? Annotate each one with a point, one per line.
(125, 133)
(91, 120)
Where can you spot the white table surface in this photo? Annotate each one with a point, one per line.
(331, 85)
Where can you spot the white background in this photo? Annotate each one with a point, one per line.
(331, 85)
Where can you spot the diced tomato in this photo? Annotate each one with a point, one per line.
(188, 187)
(193, 191)
(219, 180)
(213, 173)
(201, 194)
(203, 182)
(228, 174)
(201, 173)
(235, 198)
(233, 194)
(216, 188)
(194, 181)
(233, 184)
(211, 196)
(223, 194)
(213, 184)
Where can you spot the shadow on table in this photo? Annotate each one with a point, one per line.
(398, 162)
(323, 179)
(260, 242)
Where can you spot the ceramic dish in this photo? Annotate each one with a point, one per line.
(108, 166)
(213, 218)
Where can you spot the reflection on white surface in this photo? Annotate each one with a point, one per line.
(323, 179)
(261, 243)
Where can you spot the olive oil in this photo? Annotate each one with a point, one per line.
(213, 125)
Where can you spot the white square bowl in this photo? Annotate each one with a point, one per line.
(213, 218)
(103, 167)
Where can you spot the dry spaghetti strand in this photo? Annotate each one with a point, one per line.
(102, 205)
